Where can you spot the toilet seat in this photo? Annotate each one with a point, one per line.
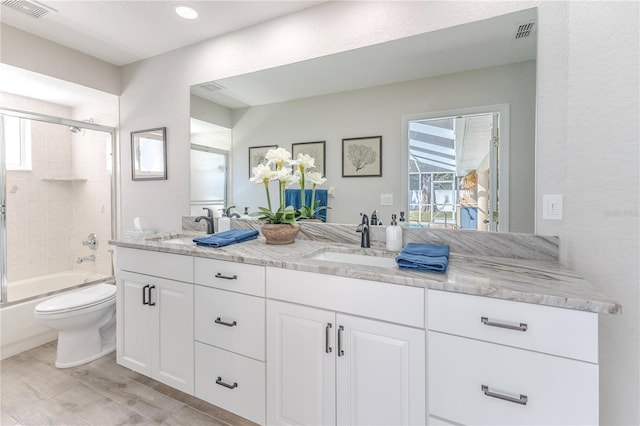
(80, 299)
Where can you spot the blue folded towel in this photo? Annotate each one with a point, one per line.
(226, 238)
(422, 249)
(424, 257)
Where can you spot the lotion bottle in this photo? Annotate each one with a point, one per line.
(394, 235)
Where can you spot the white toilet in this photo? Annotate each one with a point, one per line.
(86, 323)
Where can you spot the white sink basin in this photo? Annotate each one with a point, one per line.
(183, 241)
(174, 238)
(360, 259)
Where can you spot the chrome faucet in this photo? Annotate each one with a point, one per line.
(90, 258)
(234, 214)
(364, 229)
(208, 218)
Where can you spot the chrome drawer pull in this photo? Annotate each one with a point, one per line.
(340, 351)
(521, 327)
(522, 400)
(327, 348)
(225, 277)
(228, 324)
(226, 385)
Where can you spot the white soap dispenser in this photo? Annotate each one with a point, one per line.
(394, 235)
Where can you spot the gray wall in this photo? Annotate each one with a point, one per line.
(379, 111)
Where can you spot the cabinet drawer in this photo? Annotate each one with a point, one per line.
(564, 332)
(232, 276)
(557, 390)
(245, 379)
(230, 321)
(389, 302)
(165, 265)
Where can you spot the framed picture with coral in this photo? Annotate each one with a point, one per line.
(315, 149)
(362, 157)
(257, 155)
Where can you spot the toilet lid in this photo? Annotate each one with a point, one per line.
(77, 299)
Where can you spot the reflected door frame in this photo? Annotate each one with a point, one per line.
(225, 201)
(502, 150)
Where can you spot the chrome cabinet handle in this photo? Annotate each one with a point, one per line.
(522, 400)
(327, 329)
(226, 277)
(226, 385)
(144, 295)
(521, 327)
(150, 303)
(228, 324)
(340, 351)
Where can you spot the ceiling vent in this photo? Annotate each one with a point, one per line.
(29, 7)
(211, 86)
(524, 30)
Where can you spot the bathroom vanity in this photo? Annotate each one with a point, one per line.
(293, 335)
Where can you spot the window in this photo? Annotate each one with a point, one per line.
(17, 139)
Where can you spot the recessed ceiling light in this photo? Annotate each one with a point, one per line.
(186, 12)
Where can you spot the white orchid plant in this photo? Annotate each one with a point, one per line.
(305, 162)
(264, 174)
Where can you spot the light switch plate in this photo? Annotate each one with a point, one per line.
(386, 199)
(552, 206)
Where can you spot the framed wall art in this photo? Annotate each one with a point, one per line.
(149, 154)
(362, 157)
(257, 155)
(317, 150)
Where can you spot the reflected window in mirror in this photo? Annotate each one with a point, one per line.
(208, 179)
(453, 171)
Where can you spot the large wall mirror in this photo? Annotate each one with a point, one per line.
(438, 100)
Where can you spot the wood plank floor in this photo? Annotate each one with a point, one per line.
(100, 393)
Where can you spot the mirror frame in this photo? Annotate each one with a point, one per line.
(159, 134)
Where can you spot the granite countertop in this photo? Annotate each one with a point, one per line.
(523, 280)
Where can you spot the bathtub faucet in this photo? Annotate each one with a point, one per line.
(91, 258)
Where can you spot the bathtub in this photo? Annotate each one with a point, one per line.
(19, 329)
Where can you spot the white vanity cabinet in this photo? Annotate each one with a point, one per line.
(326, 365)
(155, 316)
(230, 336)
(495, 361)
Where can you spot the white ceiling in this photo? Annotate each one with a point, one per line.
(121, 32)
(480, 44)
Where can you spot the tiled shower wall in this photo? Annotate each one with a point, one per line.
(52, 208)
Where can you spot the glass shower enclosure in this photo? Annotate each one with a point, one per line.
(58, 204)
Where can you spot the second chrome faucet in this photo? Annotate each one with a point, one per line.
(363, 228)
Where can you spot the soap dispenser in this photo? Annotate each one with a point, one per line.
(224, 223)
(403, 223)
(394, 235)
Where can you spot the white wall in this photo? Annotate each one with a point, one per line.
(378, 112)
(25, 50)
(601, 196)
(587, 125)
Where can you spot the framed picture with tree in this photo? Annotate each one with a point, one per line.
(315, 150)
(362, 157)
(257, 155)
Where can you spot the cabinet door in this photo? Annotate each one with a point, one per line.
(134, 323)
(380, 373)
(173, 358)
(300, 365)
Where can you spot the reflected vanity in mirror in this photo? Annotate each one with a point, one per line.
(389, 89)
(148, 154)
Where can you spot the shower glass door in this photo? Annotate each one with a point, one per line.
(57, 188)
